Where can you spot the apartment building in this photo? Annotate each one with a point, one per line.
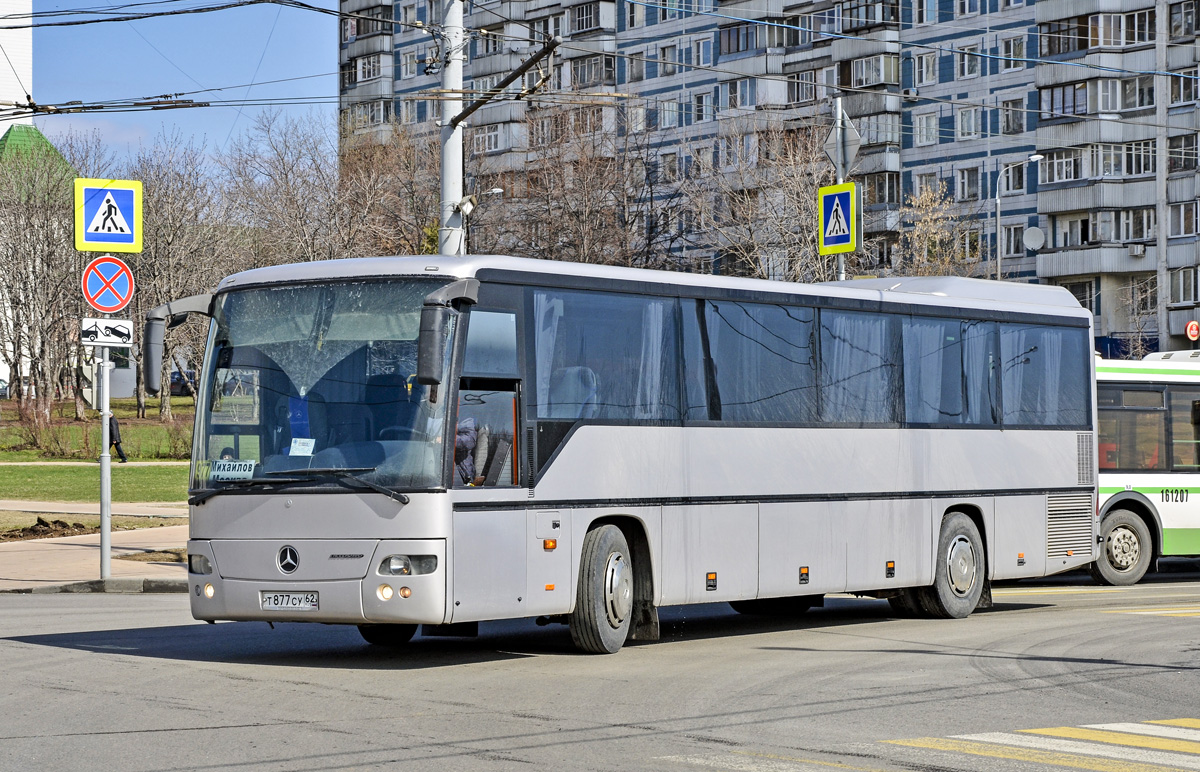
(1064, 130)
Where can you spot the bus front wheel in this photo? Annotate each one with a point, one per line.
(604, 603)
(1127, 549)
(959, 572)
(387, 635)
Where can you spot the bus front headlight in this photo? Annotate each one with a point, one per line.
(199, 564)
(408, 565)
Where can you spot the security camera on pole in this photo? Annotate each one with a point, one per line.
(108, 218)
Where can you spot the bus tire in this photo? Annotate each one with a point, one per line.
(793, 606)
(604, 601)
(907, 604)
(959, 572)
(1127, 549)
(387, 635)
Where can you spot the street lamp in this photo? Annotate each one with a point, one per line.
(1034, 158)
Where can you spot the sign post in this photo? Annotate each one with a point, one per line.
(842, 148)
(108, 218)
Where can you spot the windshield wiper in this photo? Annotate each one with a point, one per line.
(204, 494)
(340, 473)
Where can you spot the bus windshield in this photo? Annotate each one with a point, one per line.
(302, 378)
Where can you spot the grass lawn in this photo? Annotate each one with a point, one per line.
(82, 483)
(11, 521)
(143, 439)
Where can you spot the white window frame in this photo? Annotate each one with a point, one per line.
(926, 69)
(1013, 52)
(1183, 219)
(1012, 179)
(967, 122)
(1013, 244)
(968, 61)
(668, 60)
(408, 64)
(925, 129)
(967, 182)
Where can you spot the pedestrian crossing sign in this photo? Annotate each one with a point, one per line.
(839, 222)
(108, 215)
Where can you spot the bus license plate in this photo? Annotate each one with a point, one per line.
(288, 601)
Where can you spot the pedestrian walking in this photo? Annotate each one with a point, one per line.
(114, 437)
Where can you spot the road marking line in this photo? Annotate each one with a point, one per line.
(1081, 591)
(1175, 733)
(1193, 723)
(807, 761)
(1032, 755)
(1086, 749)
(1119, 738)
(740, 763)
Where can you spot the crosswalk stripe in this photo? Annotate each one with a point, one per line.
(1138, 755)
(1014, 753)
(735, 762)
(1165, 610)
(1119, 738)
(1175, 733)
(1193, 723)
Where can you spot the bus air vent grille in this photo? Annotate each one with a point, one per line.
(1068, 524)
(532, 459)
(1087, 459)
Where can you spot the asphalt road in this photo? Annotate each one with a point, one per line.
(1059, 675)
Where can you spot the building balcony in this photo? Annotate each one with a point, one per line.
(1095, 195)
(1092, 260)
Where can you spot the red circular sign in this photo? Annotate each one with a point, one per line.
(107, 284)
(1193, 330)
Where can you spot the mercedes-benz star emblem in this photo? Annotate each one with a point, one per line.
(289, 559)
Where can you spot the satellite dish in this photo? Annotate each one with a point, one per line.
(1034, 239)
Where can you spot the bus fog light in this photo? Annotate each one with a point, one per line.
(209, 591)
(405, 592)
(384, 592)
(199, 564)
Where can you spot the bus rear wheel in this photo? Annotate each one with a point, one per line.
(908, 603)
(387, 635)
(604, 602)
(1127, 549)
(960, 570)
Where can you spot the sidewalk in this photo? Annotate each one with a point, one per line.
(57, 565)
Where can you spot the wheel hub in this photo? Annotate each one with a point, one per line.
(960, 565)
(1123, 547)
(618, 589)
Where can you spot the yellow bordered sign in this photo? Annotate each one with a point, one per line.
(108, 215)
(837, 206)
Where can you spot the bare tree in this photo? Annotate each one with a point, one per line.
(1141, 305)
(938, 237)
(753, 198)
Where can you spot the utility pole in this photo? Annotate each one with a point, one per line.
(839, 127)
(450, 232)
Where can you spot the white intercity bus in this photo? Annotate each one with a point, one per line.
(1148, 450)
(394, 442)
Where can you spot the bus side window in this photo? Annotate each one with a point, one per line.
(485, 437)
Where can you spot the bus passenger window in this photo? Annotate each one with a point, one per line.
(485, 437)
(1185, 428)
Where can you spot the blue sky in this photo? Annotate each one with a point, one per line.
(130, 60)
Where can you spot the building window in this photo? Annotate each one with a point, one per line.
(667, 56)
(859, 14)
(968, 62)
(1061, 166)
(967, 123)
(668, 115)
(1085, 293)
(1141, 157)
(927, 181)
(736, 93)
(408, 64)
(702, 52)
(1183, 86)
(967, 7)
(592, 71)
(802, 87)
(1071, 230)
(1181, 154)
(585, 17)
(702, 106)
(635, 15)
(668, 165)
(1183, 219)
(408, 111)
(925, 69)
(1012, 179)
(1183, 19)
(825, 23)
(1137, 224)
(1014, 241)
(968, 185)
(635, 69)
(924, 11)
(1012, 3)
(1013, 51)
(1061, 37)
(635, 119)
(541, 30)
(1063, 101)
(875, 70)
(1012, 116)
(1143, 296)
(1183, 285)
(369, 67)
(882, 188)
(486, 139)
(1137, 92)
(880, 129)
(742, 37)
(925, 129)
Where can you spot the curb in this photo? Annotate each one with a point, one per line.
(124, 586)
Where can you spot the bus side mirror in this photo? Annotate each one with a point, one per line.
(152, 352)
(431, 346)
